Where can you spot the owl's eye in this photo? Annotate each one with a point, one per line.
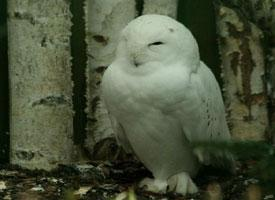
(156, 43)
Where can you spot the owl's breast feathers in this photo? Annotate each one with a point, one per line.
(163, 87)
(194, 99)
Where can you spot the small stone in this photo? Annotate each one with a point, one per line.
(129, 195)
(7, 197)
(82, 190)
(38, 188)
(251, 181)
(54, 180)
(2, 185)
(121, 196)
(271, 196)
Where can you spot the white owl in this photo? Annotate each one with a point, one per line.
(161, 98)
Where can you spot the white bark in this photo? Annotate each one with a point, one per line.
(262, 13)
(264, 16)
(243, 69)
(162, 7)
(40, 84)
(104, 20)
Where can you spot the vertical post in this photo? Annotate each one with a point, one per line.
(40, 83)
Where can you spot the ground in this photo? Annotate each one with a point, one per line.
(116, 180)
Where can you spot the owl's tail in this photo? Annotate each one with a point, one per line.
(215, 155)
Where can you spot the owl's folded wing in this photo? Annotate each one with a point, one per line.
(200, 110)
(120, 135)
(201, 114)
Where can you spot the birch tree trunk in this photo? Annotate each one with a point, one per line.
(104, 21)
(264, 16)
(243, 67)
(40, 83)
(162, 7)
(262, 13)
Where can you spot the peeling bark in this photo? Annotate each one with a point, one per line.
(104, 21)
(264, 17)
(162, 7)
(263, 13)
(243, 67)
(40, 83)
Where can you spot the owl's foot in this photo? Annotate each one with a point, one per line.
(182, 183)
(154, 185)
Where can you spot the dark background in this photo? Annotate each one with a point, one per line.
(197, 15)
(4, 97)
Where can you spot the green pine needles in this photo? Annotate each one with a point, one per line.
(261, 154)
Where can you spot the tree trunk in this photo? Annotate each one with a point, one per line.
(162, 7)
(243, 68)
(262, 13)
(104, 21)
(40, 83)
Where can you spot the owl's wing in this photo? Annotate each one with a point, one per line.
(201, 112)
(120, 135)
(211, 108)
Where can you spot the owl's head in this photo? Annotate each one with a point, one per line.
(158, 40)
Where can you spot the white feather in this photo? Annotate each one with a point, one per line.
(163, 97)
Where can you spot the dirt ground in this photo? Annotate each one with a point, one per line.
(112, 180)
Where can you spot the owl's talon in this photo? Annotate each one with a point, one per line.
(182, 183)
(154, 185)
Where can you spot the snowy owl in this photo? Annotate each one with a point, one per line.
(161, 98)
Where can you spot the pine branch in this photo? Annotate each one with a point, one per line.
(262, 153)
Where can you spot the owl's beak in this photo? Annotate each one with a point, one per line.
(136, 63)
(135, 59)
(136, 56)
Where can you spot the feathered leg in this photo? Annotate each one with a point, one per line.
(182, 183)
